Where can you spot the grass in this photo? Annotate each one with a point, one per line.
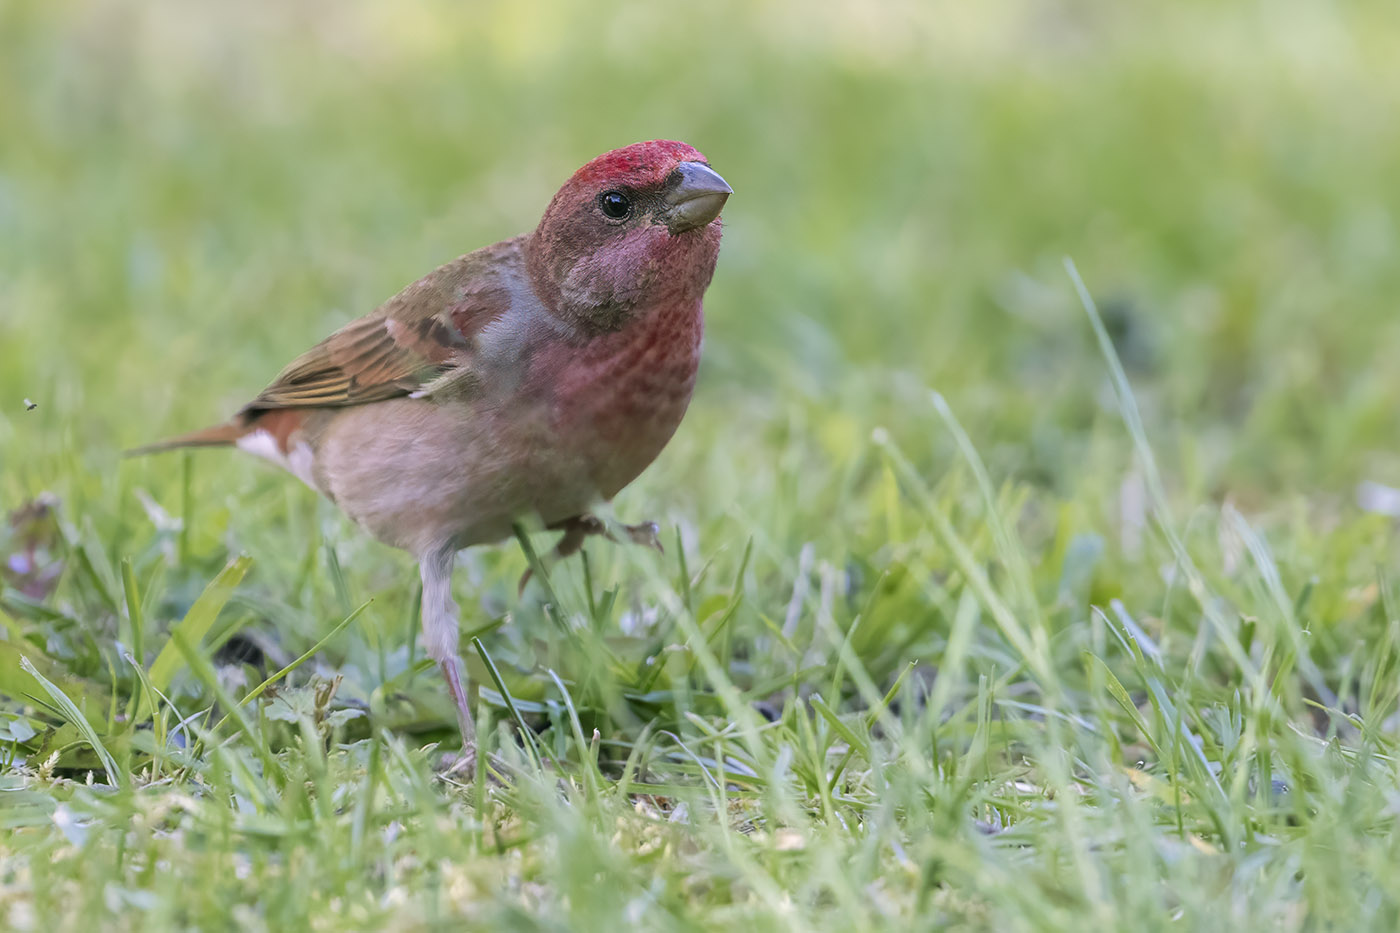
(983, 606)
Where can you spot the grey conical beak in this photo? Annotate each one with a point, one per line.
(695, 194)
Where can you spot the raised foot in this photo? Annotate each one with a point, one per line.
(580, 528)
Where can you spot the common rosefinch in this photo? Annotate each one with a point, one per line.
(530, 379)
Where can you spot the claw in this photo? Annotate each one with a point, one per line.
(647, 534)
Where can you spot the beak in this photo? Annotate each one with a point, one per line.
(694, 196)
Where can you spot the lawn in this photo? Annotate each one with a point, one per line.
(1030, 542)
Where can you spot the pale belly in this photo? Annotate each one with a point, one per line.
(418, 473)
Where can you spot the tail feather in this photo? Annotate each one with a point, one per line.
(220, 435)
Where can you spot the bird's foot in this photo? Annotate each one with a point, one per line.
(460, 767)
(462, 764)
(580, 528)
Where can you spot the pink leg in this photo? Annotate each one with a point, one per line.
(440, 637)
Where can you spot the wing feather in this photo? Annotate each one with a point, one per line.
(421, 337)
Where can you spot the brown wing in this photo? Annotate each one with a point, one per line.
(368, 360)
(421, 335)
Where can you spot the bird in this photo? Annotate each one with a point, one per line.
(530, 380)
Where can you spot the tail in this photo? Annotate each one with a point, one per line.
(220, 435)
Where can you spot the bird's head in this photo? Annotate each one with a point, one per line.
(635, 228)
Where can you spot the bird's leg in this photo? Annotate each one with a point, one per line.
(576, 531)
(440, 638)
(580, 528)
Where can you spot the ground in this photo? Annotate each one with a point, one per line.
(987, 603)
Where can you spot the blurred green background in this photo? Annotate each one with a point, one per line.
(191, 194)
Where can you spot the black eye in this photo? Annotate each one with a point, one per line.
(615, 204)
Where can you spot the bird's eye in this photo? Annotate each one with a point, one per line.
(615, 204)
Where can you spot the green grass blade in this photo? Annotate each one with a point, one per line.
(70, 712)
(258, 691)
(1156, 489)
(531, 745)
(195, 625)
